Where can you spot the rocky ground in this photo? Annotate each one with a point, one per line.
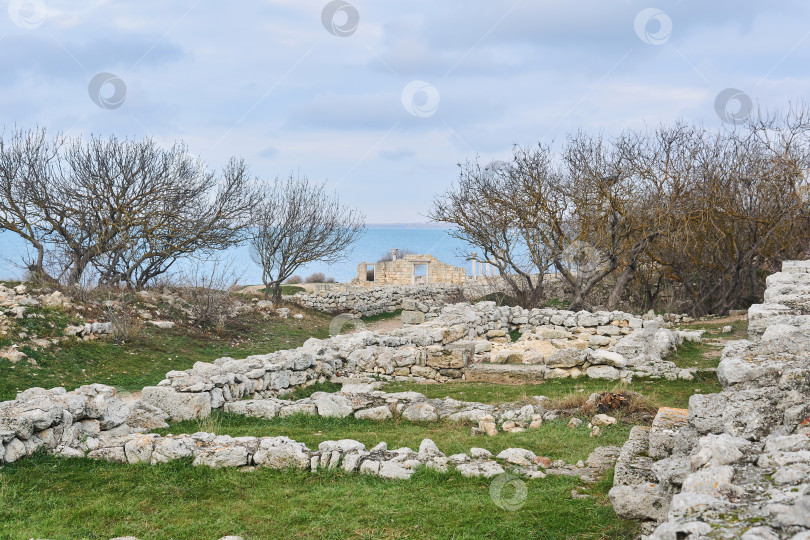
(737, 463)
(40, 319)
(102, 423)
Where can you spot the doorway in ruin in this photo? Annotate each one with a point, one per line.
(420, 274)
(369, 272)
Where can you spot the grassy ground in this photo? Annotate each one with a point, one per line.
(697, 355)
(146, 359)
(383, 316)
(660, 392)
(739, 326)
(44, 497)
(553, 439)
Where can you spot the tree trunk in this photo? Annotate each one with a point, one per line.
(277, 291)
(37, 269)
(618, 289)
(79, 264)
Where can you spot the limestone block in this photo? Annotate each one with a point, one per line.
(664, 429)
(178, 405)
(645, 502)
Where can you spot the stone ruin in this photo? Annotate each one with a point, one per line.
(735, 464)
(93, 419)
(409, 270)
(368, 301)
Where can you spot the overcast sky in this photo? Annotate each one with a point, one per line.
(382, 99)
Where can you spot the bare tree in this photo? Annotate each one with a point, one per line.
(299, 222)
(498, 210)
(26, 159)
(704, 214)
(127, 209)
(740, 209)
(198, 214)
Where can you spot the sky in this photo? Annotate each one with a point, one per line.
(383, 99)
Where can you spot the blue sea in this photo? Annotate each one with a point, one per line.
(378, 240)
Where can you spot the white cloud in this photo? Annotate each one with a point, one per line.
(268, 82)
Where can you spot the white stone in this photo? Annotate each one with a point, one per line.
(517, 456)
(332, 405)
(428, 450)
(178, 405)
(281, 453)
(420, 412)
(375, 413)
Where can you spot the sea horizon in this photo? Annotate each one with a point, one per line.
(423, 238)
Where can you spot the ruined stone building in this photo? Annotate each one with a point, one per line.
(409, 270)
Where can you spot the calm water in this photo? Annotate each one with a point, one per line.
(374, 244)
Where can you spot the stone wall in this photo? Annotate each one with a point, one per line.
(444, 348)
(365, 302)
(735, 464)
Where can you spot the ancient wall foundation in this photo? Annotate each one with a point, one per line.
(735, 464)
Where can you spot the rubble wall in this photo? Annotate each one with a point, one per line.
(737, 463)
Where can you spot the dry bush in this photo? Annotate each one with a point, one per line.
(207, 293)
(401, 253)
(569, 401)
(317, 277)
(293, 280)
(125, 325)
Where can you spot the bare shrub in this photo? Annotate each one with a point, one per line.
(125, 326)
(207, 293)
(401, 253)
(317, 277)
(294, 280)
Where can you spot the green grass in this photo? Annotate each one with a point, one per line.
(285, 289)
(383, 316)
(145, 359)
(556, 303)
(553, 439)
(660, 392)
(713, 329)
(305, 391)
(43, 322)
(695, 355)
(46, 497)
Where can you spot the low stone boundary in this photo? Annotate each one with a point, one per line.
(365, 301)
(735, 464)
(444, 348)
(348, 455)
